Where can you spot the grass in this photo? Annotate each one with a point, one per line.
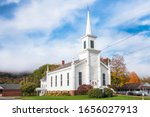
(84, 97)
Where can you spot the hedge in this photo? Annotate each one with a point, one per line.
(100, 93)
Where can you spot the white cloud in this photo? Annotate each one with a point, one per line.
(46, 15)
(141, 69)
(42, 15)
(130, 10)
(145, 22)
(30, 55)
(21, 53)
(26, 54)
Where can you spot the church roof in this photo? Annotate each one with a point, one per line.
(105, 60)
(67, 65)
(136, 86)
(76, 62)
(10, 86)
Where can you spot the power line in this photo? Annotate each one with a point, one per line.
(137, 50)
(144, 59)
(121, 40)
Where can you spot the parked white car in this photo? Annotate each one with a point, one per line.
(137, 93)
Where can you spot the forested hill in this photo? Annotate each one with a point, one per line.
(6, 77)
(34, 77)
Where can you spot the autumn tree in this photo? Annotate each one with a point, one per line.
(118, 71)
(133, 78)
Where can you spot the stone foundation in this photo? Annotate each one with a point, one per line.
(59, 93)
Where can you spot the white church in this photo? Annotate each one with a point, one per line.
(88, 69)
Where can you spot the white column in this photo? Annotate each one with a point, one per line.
(99, 73)
(109, 74)
(88, 76)
(73, 75)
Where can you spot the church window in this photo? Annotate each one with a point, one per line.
(61, 82)
(51, 81)
(92, 44)
(84, 44)
(80, 78)
(55, 81)
(67, 79)
(104, 79)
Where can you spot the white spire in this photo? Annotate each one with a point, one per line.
(88, 24)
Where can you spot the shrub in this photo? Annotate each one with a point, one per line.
(107, 92)
(95, 93)
(99, 93)
(83, 89)
(28, 89)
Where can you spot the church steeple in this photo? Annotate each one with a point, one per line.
(88, 40)
(88, 24)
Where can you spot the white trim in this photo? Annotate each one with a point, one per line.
(84, 60)
(60, 70)
(40, 89)
(92, 36)
(104, 65)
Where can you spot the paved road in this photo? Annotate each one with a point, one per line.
(8, 98)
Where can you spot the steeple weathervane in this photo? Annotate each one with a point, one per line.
(88, 24)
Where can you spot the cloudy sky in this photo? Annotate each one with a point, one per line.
(36, 32)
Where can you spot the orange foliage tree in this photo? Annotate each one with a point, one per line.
(133, 78)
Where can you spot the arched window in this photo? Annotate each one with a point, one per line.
(80, 78)
(51, 81)
(67, 79)
(84, 44)
(61, 80)
(92, 43)
(55, 81)
(104, 79)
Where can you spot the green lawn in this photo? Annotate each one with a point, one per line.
(83, 97)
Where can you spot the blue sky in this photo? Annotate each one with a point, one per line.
(37, 32)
